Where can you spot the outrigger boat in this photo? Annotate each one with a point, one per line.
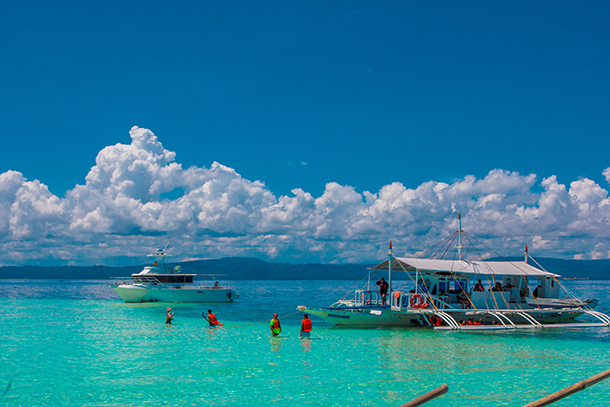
(464, 293)
(161, 283)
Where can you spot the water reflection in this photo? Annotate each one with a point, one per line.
(276, 343)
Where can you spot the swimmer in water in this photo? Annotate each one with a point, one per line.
(169, 315)
(212, 320)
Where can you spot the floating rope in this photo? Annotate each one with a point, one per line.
(260, 322)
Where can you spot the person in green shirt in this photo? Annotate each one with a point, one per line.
(276, 328)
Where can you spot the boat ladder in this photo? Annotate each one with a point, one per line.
(448, 319)
(599, 315)
(530, 319)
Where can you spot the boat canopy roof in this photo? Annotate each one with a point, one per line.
(506, 268)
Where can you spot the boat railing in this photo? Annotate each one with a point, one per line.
(408, 300)
(137, 280)
(440, 303)
(366, 298)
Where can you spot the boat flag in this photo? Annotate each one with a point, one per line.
(390, 245)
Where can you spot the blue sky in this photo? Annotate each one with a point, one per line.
(362, 94)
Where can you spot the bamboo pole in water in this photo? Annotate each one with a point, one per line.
(427, 397)
(568, 391)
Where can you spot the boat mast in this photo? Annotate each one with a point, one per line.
(526, 255)
(390, 270)
(460, 246)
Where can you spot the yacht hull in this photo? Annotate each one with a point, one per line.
(139, 293)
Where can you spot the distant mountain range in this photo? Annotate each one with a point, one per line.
(240, 268)
(234, 268)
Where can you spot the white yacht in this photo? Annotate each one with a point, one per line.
(161, 283)
(464, 292)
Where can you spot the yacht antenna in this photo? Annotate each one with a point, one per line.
(161, 254)
(460, 246)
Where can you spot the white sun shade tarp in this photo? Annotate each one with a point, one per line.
(505, 268)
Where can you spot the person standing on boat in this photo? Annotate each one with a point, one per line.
(213, 321)
(305, 327)
(276, 328)
(169, 315)
(479, 286)
(383, 289)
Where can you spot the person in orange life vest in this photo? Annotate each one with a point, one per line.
(212, 319)
(276, 328)
(305, 327)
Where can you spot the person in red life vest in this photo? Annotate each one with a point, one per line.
(305, 327)
(212, 319)
(276, 328)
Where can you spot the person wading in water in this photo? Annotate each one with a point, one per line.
(305, 327)
(213, 321)
(276, 328)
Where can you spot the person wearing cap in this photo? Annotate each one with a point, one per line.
(168, 316)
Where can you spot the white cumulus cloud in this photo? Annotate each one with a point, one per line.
(123, 210)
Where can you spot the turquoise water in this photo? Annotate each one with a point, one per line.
(71, 343)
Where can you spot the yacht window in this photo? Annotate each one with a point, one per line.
(175, 279)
